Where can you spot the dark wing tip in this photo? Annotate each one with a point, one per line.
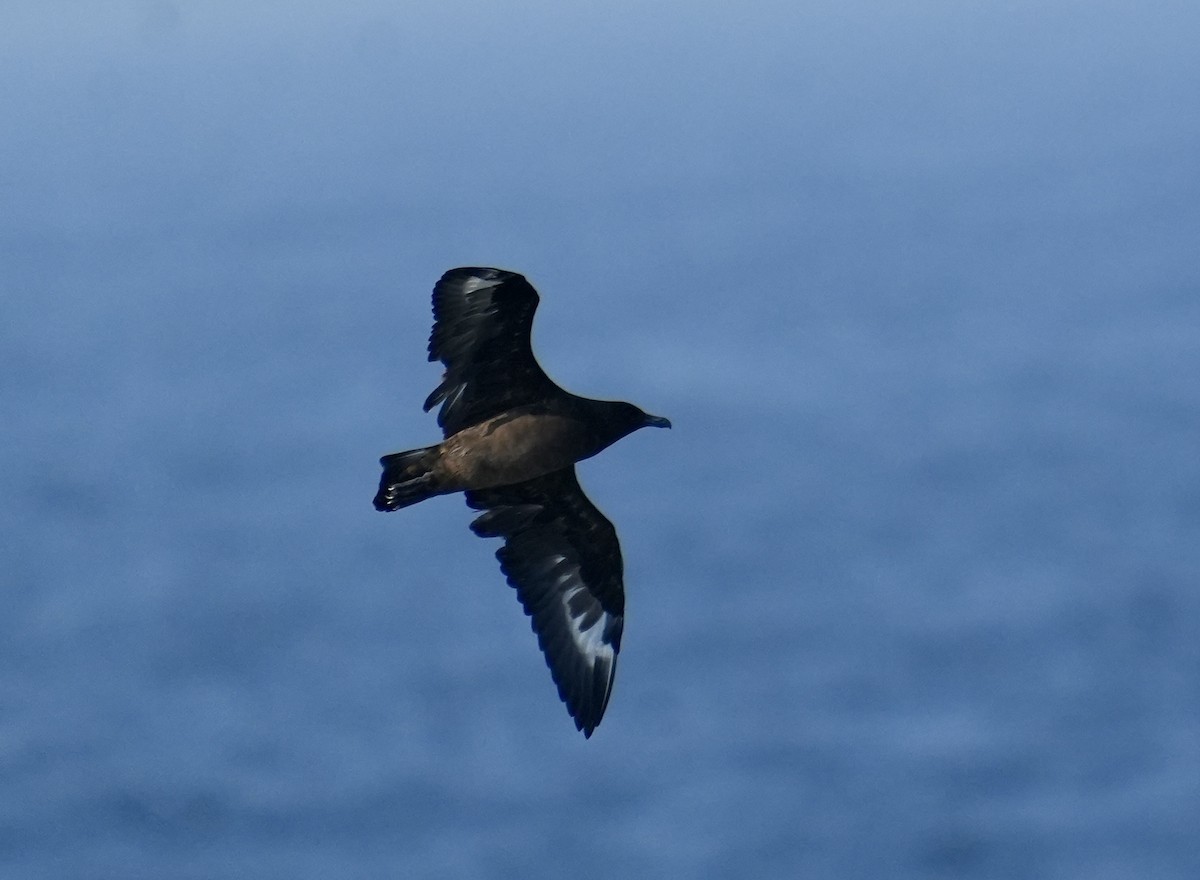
(485, 273)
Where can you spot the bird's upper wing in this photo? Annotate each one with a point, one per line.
(481, 324)
(562, 556)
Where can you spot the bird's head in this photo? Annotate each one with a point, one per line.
(630, 418)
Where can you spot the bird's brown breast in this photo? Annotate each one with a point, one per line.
(510, 449)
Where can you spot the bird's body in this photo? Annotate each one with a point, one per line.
(512, 438)
(513, 447)
(517, 445)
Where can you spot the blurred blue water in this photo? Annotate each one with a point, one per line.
(912, 583)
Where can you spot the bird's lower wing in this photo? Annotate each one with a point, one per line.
(562, 556)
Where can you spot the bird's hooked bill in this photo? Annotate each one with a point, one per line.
(657, 422)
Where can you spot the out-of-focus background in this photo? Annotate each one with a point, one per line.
(912, 584)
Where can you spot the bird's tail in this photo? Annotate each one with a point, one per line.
(406, 478)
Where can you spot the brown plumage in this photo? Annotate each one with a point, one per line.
(512, 438)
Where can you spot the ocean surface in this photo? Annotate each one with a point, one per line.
(912, 584)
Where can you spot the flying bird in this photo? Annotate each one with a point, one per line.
(512, 438)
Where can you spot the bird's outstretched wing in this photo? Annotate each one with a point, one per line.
(481, 324)
(562, 556)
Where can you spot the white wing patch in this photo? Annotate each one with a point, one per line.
(476, 282)
(588, 637)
